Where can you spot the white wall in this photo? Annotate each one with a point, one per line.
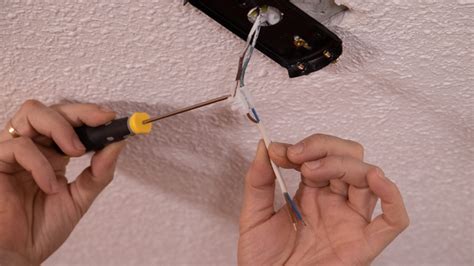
(403, 88)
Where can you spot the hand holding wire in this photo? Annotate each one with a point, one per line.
(337, 195)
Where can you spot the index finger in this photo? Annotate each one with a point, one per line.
(278, 154)
(57, 122)
(35, 119)
(319, 146)
(79, 114)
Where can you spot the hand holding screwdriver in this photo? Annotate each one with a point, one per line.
(30, 165)
(31, 169)
(96, 138)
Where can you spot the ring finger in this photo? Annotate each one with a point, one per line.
(34, 119)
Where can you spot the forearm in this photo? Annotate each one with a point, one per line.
(10, 258)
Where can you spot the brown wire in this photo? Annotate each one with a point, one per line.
(252, 119)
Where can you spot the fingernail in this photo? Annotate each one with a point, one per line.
(313, 165)
(261, 150)
(106, 109)
(296, 149)
(380, 173)
(279, 149)
(78, 144)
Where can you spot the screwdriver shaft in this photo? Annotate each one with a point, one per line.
(187, 109)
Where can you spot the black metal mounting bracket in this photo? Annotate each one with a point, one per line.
(298, 42)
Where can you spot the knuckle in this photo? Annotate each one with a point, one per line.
(56, 106)
(401, 223)
(358, 149)
(316, 140)
(404, 223)
(31, 104)
(90, 107)
(318, 137)
(341, 161)
(308, 166)
(376, 169)
(342, 166)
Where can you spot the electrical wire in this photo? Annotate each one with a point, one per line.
(244, 96)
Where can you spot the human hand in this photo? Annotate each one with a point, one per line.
(38, 208)
(337, 196)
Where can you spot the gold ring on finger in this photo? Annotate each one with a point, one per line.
(12, 131)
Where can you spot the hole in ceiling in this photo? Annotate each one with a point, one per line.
(270, 15)
(324, 11)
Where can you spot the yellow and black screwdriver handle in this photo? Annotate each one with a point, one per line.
(97, 138)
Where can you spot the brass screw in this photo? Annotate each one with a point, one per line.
(300, 42)
(327, 54)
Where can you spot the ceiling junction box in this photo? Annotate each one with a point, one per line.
(297, 42)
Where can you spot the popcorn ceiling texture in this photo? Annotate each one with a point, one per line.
(403, 88)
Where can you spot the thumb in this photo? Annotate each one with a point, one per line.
(259, 191)
(96, 177)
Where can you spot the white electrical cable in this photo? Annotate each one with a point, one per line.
(276, 169)
(244, 98)
(243, 101)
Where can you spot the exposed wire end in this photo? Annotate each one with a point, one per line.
(255, 115)
(250, 117)
(294, 207)
(292, 216)
(294, 227)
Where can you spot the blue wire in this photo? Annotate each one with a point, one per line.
(293, 206)
(255, 115)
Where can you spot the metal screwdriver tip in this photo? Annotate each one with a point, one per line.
(187, 109)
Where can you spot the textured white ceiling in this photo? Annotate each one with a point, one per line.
(403, 88)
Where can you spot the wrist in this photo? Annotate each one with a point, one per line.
(11, 258)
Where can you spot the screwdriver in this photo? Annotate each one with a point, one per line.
(139, 123)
